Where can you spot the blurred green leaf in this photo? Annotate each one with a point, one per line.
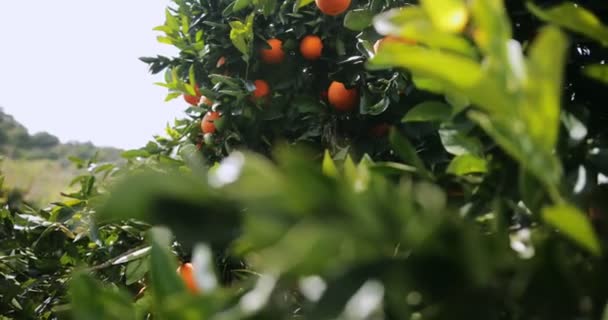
(164, 279)
(92, 300)
(241, 4)
(574, 225)
(428, 111)
(329, 167)
(407, 152)
(597, 71)
(573, 17)
(447, 15)
(467, 164)
(412, 23)
(547, 53)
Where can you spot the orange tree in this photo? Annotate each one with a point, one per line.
(475, 191)
(281, 71)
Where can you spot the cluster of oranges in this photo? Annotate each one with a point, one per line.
(339, 96)
(311, 48)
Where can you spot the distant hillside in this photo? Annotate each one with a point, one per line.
(38, 164)
(17, 143)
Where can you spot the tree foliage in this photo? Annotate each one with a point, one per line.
(467, 183)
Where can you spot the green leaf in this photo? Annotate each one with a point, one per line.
(408, 153)
(447, 15)
(573, 224)
(136, 270)
(464, 75)
(91, 300)
(504, 130)
(266, 6)
(467, 164)
(172, 95)
(192, 78)
(350, 170)
(301, 3)
(412, 23)
(185, 24)
(428, 111)
(359, 19)
(329, 167)
(131, 154)
(241, 35)
(597, 72)
(573, 17)
(165, 281)
(546, 70)
(165, 40)
(459, 143)
(492, 29)
(240, 4)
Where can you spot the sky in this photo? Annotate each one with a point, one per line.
(71, 68)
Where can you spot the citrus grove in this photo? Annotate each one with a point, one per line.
(338, 159)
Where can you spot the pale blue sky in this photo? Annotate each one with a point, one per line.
(70, 67)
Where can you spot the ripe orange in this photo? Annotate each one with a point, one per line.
(186, 271)
(275, 54)
(341, 98)
(220, 62)
(311, 47)
(207, 124)
(332, 7)
(262, 89)
(193, 100)
(386, 39)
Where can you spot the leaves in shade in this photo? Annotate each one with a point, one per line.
(95, 301)
(433, 111)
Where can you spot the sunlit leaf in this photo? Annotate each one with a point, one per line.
(447, 15)
(597, 71)
(547, 54)
(329, 167)
(413, 24)
(574, 225)
(573, 17)
(467, 164)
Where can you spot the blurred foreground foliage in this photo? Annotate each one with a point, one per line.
(481, 198)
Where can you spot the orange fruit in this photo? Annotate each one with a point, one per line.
(332, 7)
(311, 47)
(262, 89)
(386, 39)
(186, 271)
(194, 100)
(275, 54)
(220, 62)
(207, 124)
(341, 98)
